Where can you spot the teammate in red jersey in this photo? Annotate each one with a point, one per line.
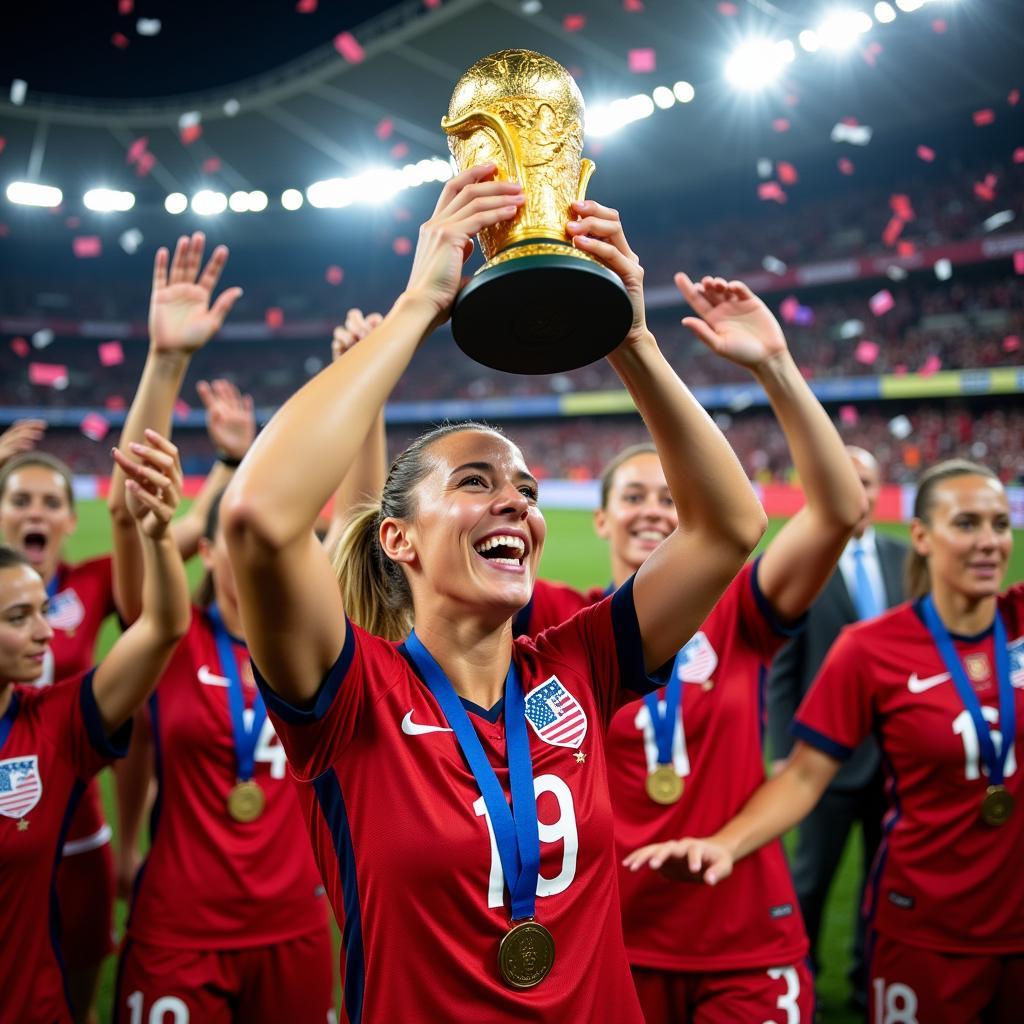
(54, 739)
(686, 758)
(251, 941)
(406, 756)
(939, 680)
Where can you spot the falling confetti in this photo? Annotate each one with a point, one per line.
(111, 353)
(881, 302)
(925, 153)
(94, 426)
(642, 61)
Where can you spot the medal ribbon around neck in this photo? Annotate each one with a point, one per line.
(665, 724)
(515, 829)
(995, 761)
(245, 739)
(51, 587)
(7, 721)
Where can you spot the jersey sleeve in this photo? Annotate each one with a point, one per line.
(838, 713)
(314, 736)
(549, 605)
(761, 629)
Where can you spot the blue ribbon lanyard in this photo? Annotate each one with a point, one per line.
(245, 739)
(7, 721)
(517, 836)
(995, 760)
(665, 724)
(51, 587)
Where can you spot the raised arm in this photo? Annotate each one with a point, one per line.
(735, 324)
(181, 321)
(720, 518)
(21, 436)
(289, 598)
(131, 668)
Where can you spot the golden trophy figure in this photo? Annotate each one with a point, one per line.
(538, 305)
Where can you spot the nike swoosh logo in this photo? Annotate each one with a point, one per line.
(411, 728)
(917, 685)
(209, 678)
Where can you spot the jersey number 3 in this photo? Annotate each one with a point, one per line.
(562, 828)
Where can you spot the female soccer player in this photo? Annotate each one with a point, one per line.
(692, 752)
(939, 681)
(404, 753)
(54, 739)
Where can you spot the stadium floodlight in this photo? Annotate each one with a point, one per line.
(257, 201)
(606, 118)
(756, 63)
(663, 97)
(884, 13)
(108, 200)
(176, 202)
(809, 40)
(239, 202)
(909, 5)
(208, 203)
(330, 194)
(684, 92)
(291, 199)
(841, 28)
(377, 185)
(28, 193)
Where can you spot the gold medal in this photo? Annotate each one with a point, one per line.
(664, 786)
(997, 806)
(246, 801)
(526, 954)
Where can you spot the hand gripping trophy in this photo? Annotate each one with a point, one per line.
(538, 305)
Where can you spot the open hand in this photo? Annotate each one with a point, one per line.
(731, 320)
(355, 328)
(21, 436)
(230, 417)
(684, 860)
(181, 319)
(153, 483)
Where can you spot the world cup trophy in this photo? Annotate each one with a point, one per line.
(538, 305)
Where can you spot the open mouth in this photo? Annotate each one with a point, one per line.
(649, 536)
(502, 549)
(34, 545)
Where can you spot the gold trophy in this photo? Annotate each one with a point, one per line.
(538, 305)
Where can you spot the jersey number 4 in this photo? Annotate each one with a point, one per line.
(562, 828)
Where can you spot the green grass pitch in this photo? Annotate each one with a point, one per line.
(575, 555)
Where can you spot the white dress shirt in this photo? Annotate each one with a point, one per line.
(872, 566)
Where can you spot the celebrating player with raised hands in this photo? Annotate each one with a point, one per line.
(406, 755)
(937, 680)
(54, 739)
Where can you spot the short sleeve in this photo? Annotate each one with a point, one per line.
(837, 714)
(315, 735)
(762, 630)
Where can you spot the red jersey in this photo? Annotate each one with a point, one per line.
(56, 743)
(247, 884)
(552, 604)
(404, 843)
(942, 879)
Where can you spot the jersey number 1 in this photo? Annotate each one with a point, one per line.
(963, 726)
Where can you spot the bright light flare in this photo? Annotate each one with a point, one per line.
(757, 63)
(663, 97)
(257, 201)
(809, 40)
(291, 199)
(841, 29)
(606, 118)
(884, 13)
(208, 203)
(108, 200)
(176, 202)
(28, 193)
(239, 202)
(684, 92)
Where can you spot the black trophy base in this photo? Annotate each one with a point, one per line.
(541, 313)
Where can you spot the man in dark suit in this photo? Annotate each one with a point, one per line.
(867, 581)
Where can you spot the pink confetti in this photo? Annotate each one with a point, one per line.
(1018, 261)
(642, 61)
(871, 53)
(848, 415)
(845, 166)
(633, 6)
(1018, 155)
(893, 230)
(787, 173)
(431, 4)
(348, 46)
(145, 164)
(1014, 97)
(728, 10)
(881, 302)
(335, 275)
(114, 403)
(984, 117)
(402, 245)
(850, 122)
(181, 408)
(905, 248)
(939, 26)
(930, 366)
(306, 7)
(401, 213)
(72, 223)
(771, 191)
(1011, 343)
(137, 149)
(111, 353)
(274, 317)
(866, 352)
(94, 426)
(211, 165)
(925, 153)
(125, 6)
(574, 22)
(120, 40)
(901, 206)
(385, 128)
(399, 150)
(190, 133)
(48, 375)
(788, 308)
(86, 247)
(780, 124)
(984, 191)
(19, 346)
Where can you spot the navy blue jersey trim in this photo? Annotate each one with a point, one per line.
(114, 745)
(820, 741)
(629, 647)
(332, 806)
(55, 921)
(960, 637)
(891, 819)
(321, 703)
(766, 609)
(521, 619)
(488, 714)
(7, 721)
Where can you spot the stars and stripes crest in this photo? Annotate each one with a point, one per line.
(66, 611)
(697, 660)
(20, 786)
(556, 715)
(1016, 652)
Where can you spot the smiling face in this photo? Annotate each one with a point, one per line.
(966, 538)
(24, 632)
(638, 514)
(36, 515)
(476, 534)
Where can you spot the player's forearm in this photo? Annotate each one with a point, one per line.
(187, 530)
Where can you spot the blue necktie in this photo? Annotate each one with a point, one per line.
(865, 599)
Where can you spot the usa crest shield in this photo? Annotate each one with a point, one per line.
(556, 715)
(20, 786)
(697, 660)
(66, 611)
(1016, 652)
